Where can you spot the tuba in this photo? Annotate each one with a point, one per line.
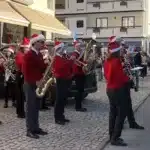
(89, 57)
(9, 64)
(46, 81)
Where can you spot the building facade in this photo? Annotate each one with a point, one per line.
(129, 19)
(12, 32)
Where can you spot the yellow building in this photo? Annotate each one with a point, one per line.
(24, 17)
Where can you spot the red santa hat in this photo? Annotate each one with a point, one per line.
(114, 47)
(11, 49)
(114, 39)
(36, 37)
(25, 43)
(58, 45)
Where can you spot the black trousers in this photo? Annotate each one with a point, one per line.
(10, 89)
(79, 81)
(118, 111)
(19, 94)
(62, 89)
(144, 71)
(130, 113)
(32, 107)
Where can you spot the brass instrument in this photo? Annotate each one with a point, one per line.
(9, 64)
(46, 81)
(90, 59)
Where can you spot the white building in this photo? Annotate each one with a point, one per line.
(127, 18)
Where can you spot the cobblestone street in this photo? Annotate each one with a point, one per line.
(86, 131)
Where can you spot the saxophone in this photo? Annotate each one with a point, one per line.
(46, 81)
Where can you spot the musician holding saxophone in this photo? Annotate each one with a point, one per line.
(33, 69)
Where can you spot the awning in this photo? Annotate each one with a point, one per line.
(9, 15)
(39, 20)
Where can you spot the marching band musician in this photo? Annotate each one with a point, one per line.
(62, 71)
(9, 82)
(127, 69)
(79, 75)
(33, 69)
(116, 81)
(24, 47)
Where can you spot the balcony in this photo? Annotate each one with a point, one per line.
(136, 31)
(107, 6)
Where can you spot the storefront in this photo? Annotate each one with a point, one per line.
(18, 20)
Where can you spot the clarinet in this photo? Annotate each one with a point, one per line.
(127, 69)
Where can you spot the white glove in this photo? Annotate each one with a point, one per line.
(73, 57)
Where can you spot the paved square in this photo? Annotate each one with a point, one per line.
(86, 131)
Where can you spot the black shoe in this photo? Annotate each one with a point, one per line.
(6, 105)
(136, 126)
(44, 108)
(66, 120)
(81, 109)
(118, 139)
(0, 122)
(32, 135)
(21, 116)
(60, 122)
(40, 132)
(118, 142)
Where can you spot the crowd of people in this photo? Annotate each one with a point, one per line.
(31, 61)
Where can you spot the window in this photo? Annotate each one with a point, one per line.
(80, 1)
(80, 24)
(50, 4)
(128, 21)
(102, 22)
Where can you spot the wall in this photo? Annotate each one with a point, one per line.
(42, 5)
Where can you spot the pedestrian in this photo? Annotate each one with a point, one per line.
(116, 81)
(33, 69)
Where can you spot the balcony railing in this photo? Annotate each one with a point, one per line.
(105, 6)
(136, 31)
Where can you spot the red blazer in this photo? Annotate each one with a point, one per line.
(114, 74)
(2, 69)
(62, 68)
(77, 69)
(33, 67)
(19, 60)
